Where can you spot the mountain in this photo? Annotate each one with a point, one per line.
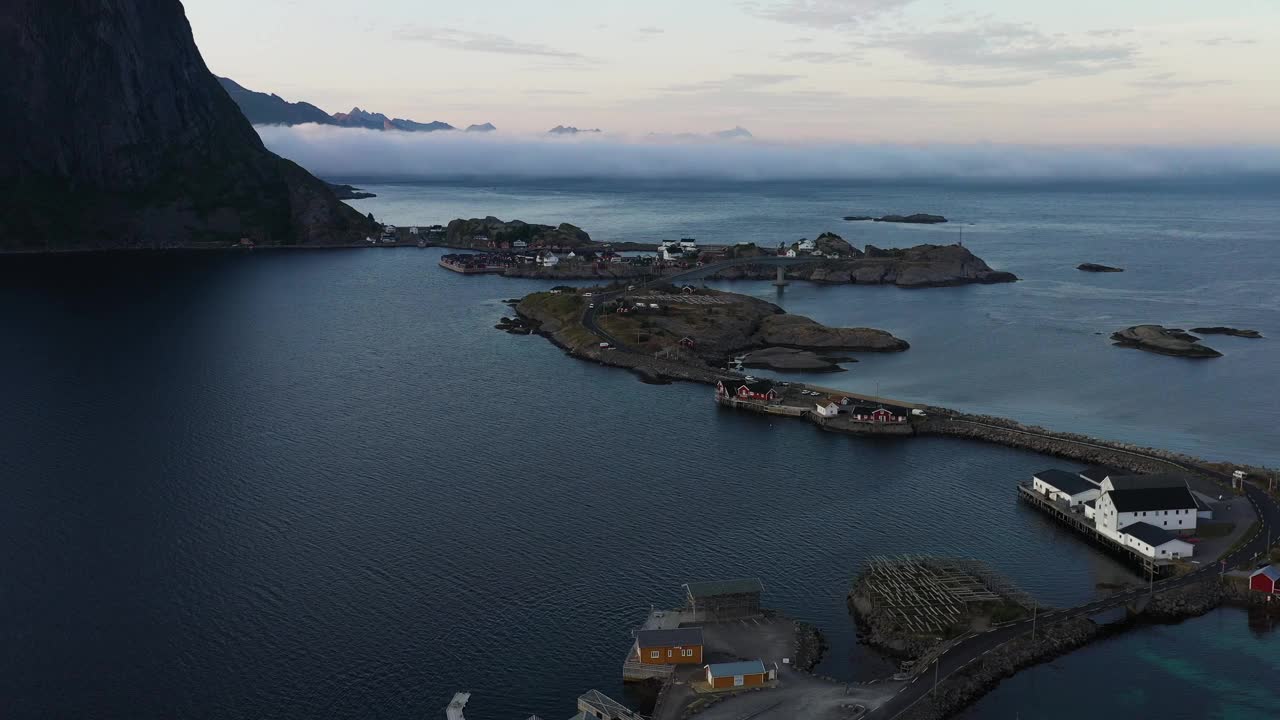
(562, 130)
(119, 136)
(487, 127)
(736, 133)
(377, 121)
(264, 109)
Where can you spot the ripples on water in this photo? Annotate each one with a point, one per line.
(321, 485)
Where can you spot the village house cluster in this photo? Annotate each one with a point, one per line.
(1150, 514)
(661, 651)
(825, 406)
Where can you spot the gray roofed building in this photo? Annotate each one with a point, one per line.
(1146, 482)
(1096, 474)
(745, 667)
(1067, 482)
(1149, 534)
(673, 637)
(1154, 498)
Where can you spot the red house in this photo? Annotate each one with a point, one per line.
(1266, 580)
(761, 390)
(880, 414)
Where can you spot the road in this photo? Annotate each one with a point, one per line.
(972, 649)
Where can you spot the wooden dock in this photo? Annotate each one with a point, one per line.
(1076, 521)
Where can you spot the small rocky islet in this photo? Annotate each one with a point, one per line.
(1164, 341)
(1221, 330)
(1096, 268)
(913, 219)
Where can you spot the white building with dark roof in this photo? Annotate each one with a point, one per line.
(1155, 542)
(1161, 501)
(1069, 487)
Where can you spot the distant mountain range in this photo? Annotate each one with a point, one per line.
(562, 130)
(271, 109)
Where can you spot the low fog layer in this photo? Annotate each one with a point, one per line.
(330, 151)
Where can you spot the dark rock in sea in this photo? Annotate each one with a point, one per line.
(1220, 330)
(858, 218)
(348, 192)
(918, 219)
(1162, 340)
(1094, 267)
(119, 136)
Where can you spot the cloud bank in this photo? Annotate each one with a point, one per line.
(339, 152)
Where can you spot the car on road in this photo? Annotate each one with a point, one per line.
(586, 294)
(591, 305)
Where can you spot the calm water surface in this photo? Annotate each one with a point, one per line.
(319, 484)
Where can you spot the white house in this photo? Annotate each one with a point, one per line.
(827, 409)
(548, 260)
(1164, 502)
(806, 245)
(413, 230)
(519, 245)
(1155, 542)
(1066, 486)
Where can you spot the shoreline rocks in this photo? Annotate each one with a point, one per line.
(914, 267)
(1096, 268)
(1164, 341)
(1220, 330)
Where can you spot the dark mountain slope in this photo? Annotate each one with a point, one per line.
(115, 134)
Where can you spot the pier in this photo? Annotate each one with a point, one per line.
(1077, 522)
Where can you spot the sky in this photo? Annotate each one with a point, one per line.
(1060, 72)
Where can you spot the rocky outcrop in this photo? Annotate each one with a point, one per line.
(358, 118)
(798, 331)
(917, 218)
(914, 267)
(117, 135)
(349, 192)
(793, 360)
(1162, 340)
(1219, 330)
(1095, 267)
(480, 232)
(858, 218)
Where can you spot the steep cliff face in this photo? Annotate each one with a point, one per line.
(115, 134)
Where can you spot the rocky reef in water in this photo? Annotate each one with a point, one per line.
(128, 141)
(1220, 330)
(1162, 340)
(1096, 268)
(914, 267)
(350, 192)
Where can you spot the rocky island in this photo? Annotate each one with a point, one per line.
(1220, 330)
(913, 219)
(1162, 340)
(1096, 268)
(914, 267)
(702, 328)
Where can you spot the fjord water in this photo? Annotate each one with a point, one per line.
(319, 484)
